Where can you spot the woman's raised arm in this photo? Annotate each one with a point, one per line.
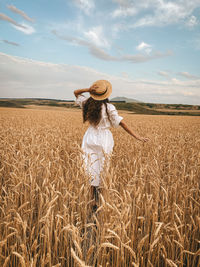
(80, 91)
(85, 90)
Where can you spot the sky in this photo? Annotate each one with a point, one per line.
(149, 49)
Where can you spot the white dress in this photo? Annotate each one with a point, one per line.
(98, 141)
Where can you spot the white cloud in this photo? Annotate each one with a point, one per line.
(192, 21)
(175, 81)
(10, 43)
(164, 74)
(12, 21)
(96, 36)
(20, 12)
(139, 58)
(86, 5)
(20, 77)
(23, 27)
(144, 47)
(101, 54)
(188, 76)
(124, 12)
(158, 12)
(163, 13)
(27, 29)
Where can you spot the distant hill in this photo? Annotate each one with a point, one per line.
(124, 99)
(121, 103)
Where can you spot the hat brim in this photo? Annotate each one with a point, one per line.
(105, 85)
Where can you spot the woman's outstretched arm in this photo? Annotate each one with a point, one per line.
(128, 130)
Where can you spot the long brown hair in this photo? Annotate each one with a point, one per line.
(92, 110)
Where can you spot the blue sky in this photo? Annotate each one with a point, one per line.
(149, 50)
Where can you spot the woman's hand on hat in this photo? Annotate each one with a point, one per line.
(92, 88)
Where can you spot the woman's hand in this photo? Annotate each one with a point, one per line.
(92, 89)
(143, 139)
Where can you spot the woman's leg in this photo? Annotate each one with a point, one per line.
(95, 197)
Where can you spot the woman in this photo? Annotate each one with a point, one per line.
(98, 140)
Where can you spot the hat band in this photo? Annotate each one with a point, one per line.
(100, 94)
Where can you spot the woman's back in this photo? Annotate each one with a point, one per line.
(109, 115)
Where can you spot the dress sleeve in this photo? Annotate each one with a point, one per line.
(114, 117)
(80, 100)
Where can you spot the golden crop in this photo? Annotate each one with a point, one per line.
(149, 208)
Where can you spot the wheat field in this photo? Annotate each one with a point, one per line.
(149, 208)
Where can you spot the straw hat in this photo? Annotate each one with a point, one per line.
(103, 90)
